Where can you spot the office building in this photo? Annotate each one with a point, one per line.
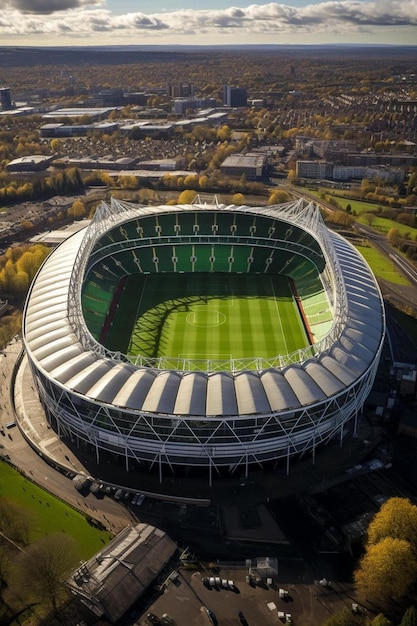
(235, 96)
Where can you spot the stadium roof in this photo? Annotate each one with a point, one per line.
(54, 344)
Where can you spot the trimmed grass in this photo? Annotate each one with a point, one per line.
(381, 265)
(49, 514)
(359, 207)
(209, 316)
(383, 225)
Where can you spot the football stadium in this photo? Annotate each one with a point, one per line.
(204, 338)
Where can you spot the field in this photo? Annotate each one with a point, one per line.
(208, 316)
(381, 265)
(48, 514)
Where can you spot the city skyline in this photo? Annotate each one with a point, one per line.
(213, 22)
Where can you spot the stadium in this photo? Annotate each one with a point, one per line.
(204, 338)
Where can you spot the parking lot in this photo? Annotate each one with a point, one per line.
(192, 600)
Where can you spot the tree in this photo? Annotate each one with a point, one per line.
(278, 196)
(340, 217)
(369, 218)
(344, 618)
(186, 196)
(15, 522)
(40, 571)
(397, 518)
(203, 181)
(406, 218)
(238, 199)
(409, 617)
(393, 236)
(387, 571)
(224, 133)
(56, 145)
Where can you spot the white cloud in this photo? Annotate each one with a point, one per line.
(80, 18)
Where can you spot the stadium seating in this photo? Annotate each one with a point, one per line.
(202, 241)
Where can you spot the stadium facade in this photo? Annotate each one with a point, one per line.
(223, 416)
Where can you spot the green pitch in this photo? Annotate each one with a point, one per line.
(207, 316)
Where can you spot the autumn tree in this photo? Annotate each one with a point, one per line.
(77, 209)
(393, 236)
(187, 196)
(278, 196)
(340, 217)
(238, 199)
(19, 265)
(397, 518)
(224, 133)
(387, 571)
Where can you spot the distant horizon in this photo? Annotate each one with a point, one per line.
(86, 23)
(170, 46)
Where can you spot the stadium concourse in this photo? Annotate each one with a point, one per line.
(204, 411)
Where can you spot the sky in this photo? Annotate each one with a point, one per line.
(206, 22)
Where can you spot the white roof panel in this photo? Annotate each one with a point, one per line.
(304, 387)
(163, 393)
(133, 393)
(279, 392)
(221, 395)
(192, 393)
(250, 394)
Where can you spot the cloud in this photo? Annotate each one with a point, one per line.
(45, 6)
(80, 18)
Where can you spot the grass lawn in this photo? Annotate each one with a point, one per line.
(383, 225)
(358, 207)
(49, 514)
(219, 316)
(381, 265)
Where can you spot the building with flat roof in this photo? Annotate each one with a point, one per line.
(251, 165)
(30, 163)
(95, 113)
